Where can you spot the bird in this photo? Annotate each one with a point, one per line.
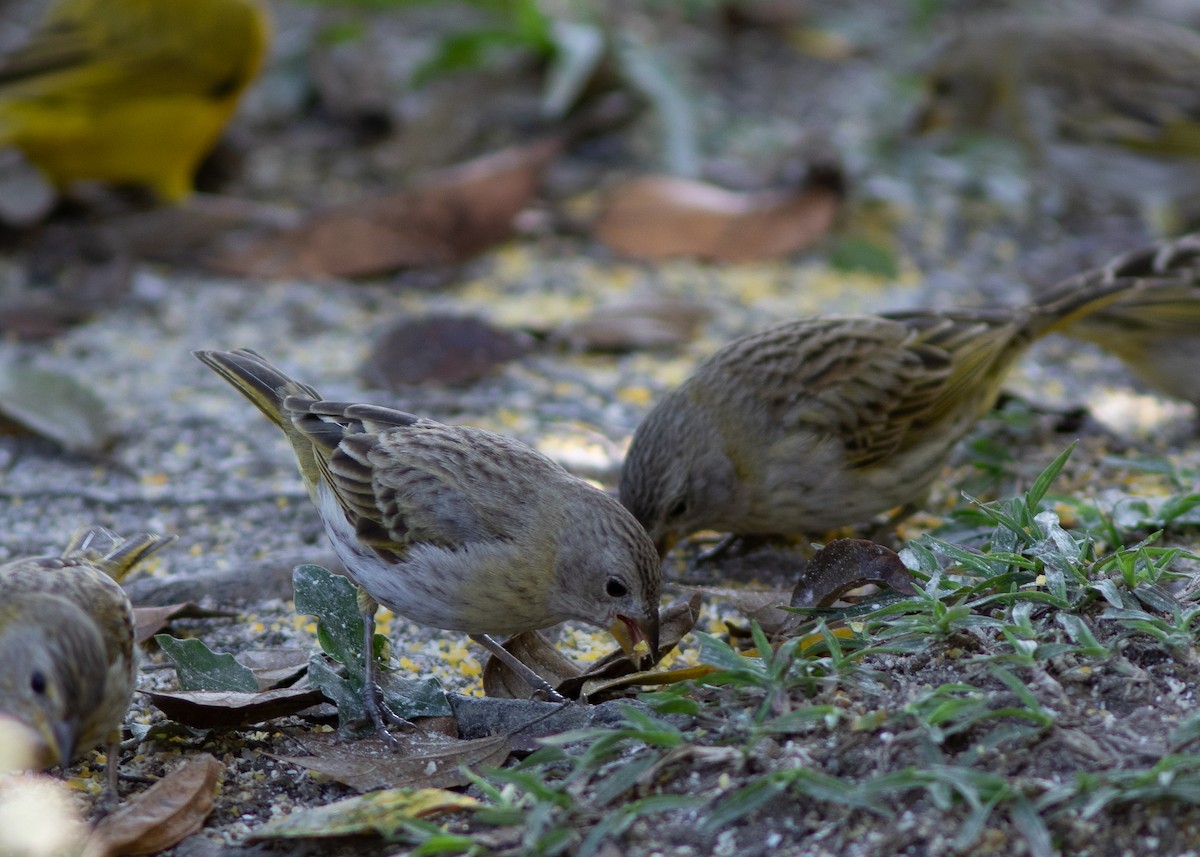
(826, 421)
(1129, 82)
(68, 664)
(456, 527)
(130, 91)
(1156, 330)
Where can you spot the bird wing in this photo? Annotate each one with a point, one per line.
(866, 381)
(403, 480)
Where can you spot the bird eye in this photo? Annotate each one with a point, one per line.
(37, 682)
(943, 87)
(677, 509)
(615, 588)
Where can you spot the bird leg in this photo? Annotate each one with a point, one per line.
(112, 770)
(531, 678)
(373, 702)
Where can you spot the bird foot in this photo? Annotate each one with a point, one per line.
(381, 716)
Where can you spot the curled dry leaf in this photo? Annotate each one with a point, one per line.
(422, 760)
(764, 606)
(657, 217)
(164, 814)
(207, 709)
(635, 325)
(275, 667)
(442, 349)
(148, 621)
(457, 214)
(846, 564)
(534, 650)
(568, 678)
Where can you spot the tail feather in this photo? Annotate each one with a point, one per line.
(115, 555)
(258, 380)
(268, 388)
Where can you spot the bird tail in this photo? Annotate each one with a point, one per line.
(259, 381)
(112, 553)
(269, 389)
(1166, 274)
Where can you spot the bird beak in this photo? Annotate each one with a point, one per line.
(638, 638)
(664, 543)
(63, 735)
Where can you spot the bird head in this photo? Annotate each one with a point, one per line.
(678, 475)
(608, 574)
(52, 672)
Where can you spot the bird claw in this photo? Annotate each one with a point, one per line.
(547, 694)
(381, 716)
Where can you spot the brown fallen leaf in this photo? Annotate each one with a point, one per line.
(442, 349)
(274, 667)
(534, 650)
(421, 760)
(657, 217)
(846, 564)
(635, 325)
(455, 215)
(207, 709)
(568, 678)
(164, 814)
(148, 621)
(764, 606)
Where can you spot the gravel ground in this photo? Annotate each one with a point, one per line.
(192, 458)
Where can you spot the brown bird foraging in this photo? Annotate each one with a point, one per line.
(67, 658)
(1091, 78)
(457, 527)
(827, 421)
(1155, 331)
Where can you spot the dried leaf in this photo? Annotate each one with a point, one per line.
(382, 813)
(55, 406)
(274, 667)
(657, 217)
(422, 760)
(148, 621)
(442, 349)
(164, 814)
(457, 214)
(634, 326)
(764, 606)
(206, 709)
(536, 652)
(846, 564)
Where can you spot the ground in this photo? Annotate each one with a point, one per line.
(987, 721)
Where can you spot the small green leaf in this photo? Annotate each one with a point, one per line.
(855, 254)
(334, 601)
(200, 668)
(1042, 484)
